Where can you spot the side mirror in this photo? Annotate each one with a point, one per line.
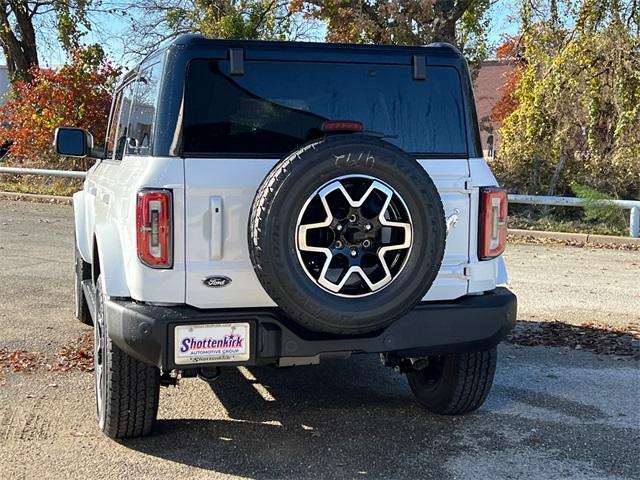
(73, 142)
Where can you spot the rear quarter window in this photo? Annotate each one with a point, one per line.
(143, 111)
(276, 106)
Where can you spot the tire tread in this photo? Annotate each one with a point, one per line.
(466, 382)
(132, 393)
(84, 273)
(132, 397)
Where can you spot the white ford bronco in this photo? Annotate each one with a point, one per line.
(274, 203)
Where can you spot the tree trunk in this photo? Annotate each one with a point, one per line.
(21, 53)
(447, 13)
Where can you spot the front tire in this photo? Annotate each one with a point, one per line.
(454, 384)
(127, 390)
(82, 272)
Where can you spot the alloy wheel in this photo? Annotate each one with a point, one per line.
(354, 236)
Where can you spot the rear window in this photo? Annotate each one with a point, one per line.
(276, 106)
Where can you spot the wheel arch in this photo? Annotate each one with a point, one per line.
(82, 233)
(110, 261)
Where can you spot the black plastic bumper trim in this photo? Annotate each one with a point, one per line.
(471, 323)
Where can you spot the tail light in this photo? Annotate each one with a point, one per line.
(154, 228)
(493, 222)
(331, 126)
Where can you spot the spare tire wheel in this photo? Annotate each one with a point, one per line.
(347, 234)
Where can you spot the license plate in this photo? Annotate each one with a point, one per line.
(213, 342)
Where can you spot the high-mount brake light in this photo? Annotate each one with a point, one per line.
(154, 228)
(493, 222)
(331, 126)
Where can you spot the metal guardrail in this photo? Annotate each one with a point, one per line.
(632, 205)
(40, 171)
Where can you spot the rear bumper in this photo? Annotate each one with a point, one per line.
(469, 324)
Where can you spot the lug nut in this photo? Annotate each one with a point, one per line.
(339, 227)
(354, 252)
(338, 244)
(368, 227)
(353, 217)
(366, 243)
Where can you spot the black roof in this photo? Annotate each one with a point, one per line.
(313, 51)
(196, 45)
(195, 39)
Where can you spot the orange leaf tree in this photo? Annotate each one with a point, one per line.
(78, 94)
(511, 50)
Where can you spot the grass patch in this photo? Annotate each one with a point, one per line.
(63, 187)
(564, 219)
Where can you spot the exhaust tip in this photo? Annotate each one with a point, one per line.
(210, 374)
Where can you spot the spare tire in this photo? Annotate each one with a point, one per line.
(347, 234)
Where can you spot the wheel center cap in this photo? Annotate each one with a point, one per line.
(354, 235)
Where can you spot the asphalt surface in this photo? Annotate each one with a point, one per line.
(575, 285)
(553, 413)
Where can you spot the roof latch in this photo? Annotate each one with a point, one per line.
(236, 60)
(419, 67)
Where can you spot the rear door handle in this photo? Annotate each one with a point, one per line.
(215, 207)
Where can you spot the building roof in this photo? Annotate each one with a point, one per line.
(488, 86)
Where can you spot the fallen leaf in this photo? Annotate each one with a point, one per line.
(598, 338)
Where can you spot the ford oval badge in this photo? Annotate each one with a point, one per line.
(217, 281)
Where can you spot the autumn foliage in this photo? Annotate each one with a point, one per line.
(78, 94)
(574, 127)
(509, 51)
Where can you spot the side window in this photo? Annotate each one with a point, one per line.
(121, 117)
(143, 111)
(113, 124)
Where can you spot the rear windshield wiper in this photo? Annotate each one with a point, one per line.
(379, 134)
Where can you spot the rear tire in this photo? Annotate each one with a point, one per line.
(127, 390)
(454, 384)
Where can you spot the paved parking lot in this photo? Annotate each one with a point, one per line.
(553, 412)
